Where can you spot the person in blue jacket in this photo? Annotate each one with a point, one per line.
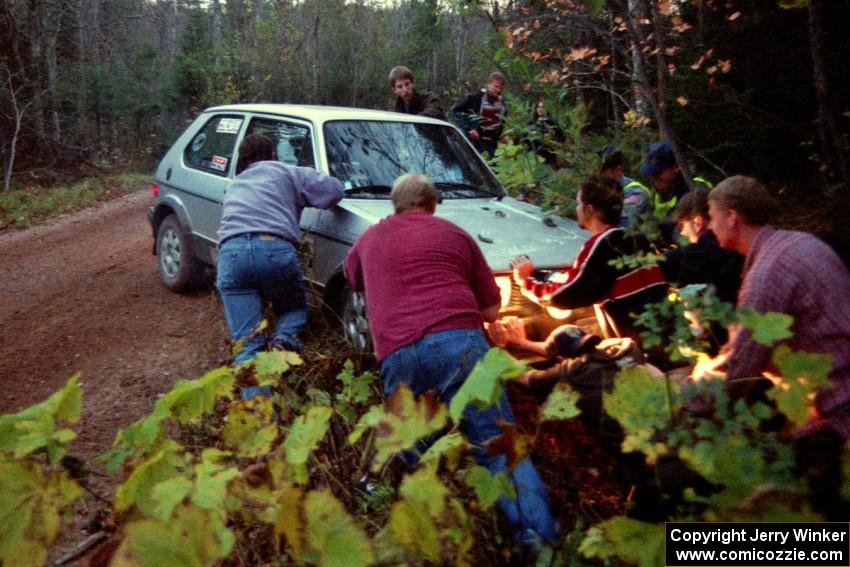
(258, 245)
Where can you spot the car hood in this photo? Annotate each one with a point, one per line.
(502, 228)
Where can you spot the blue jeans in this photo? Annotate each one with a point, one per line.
(441, 361)
(252, 270)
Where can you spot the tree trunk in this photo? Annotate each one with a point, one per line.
(834, 146)
(640, 102)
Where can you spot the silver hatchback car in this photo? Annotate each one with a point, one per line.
(367, 150)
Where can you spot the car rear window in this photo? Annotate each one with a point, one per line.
(212, 148)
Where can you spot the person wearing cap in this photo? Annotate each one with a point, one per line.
(481, 114)
(595, 277)
(636, 201)
(409, 100)
(668, 184)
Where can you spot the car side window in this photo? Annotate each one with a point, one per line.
(212, 149)
(293, 142)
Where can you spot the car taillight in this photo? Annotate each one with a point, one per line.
(154, 189)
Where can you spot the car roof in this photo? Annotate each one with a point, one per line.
(319, 113)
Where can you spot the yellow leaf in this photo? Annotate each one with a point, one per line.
(290, 523)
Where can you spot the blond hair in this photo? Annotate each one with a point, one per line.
(413, 191)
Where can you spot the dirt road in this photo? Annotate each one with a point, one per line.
(81, 293)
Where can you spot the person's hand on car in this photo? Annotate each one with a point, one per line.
(474, 135)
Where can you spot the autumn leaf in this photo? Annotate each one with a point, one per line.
(682, 101)
(733, 17)
(511, 443)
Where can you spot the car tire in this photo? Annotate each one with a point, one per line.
(179, 268)
(355, 324)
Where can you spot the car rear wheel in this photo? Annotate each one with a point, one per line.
(354, 321)
(179, 269)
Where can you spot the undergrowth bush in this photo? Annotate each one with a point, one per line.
(210, 477)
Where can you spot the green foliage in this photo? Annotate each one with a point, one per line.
(684, 323)
(333, 537)
(482, 387)
(802, 374)
(304, 436)
(637, 543)
(644, 406)
(250, 429)
(768, 328)
(138, 490)
(561, 403)
(401, 422)
(270, 366)
(34, 429)
(488, 487)
(193, 537)
(190, 399)
(356, 391)
(32, 501)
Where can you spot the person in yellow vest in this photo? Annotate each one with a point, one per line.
(636, 199)
(668, 185)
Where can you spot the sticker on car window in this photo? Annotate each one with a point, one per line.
(228, 126)
(199, 142)
(219, 163)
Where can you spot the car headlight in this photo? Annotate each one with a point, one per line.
(504, 283)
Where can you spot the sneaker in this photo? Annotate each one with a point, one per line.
(278, 343)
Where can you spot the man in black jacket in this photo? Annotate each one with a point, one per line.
(408, 100)
(481, 114)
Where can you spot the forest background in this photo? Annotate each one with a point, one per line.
(757, 87)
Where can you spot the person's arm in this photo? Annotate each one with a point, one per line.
(591, 280)
(491, 313)
(433, 107)
(353, 268)
(319, 190)
(463, 112)
(483, 283)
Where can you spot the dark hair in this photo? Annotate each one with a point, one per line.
(691, 204)
(399, 73)
(255, 147)
(612, 159)
(606, 196)
(747, 196)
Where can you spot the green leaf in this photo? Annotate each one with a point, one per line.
(333, 535)
(561, 403)
(192, 538)
(137, 439)
(31, 505)
(489, 488)
(401, 423)
(767, 329)
(190, 399)
(451, 446)
(483, 385)
(250, 429)
(640, 404)
(802, 374)
(168, 494)
(304, 436)
(425, 490)
(211, 479)
(594, 6)
(138, 489)
(412, 528)
(637, 543)
(270, 366)
(34, 428)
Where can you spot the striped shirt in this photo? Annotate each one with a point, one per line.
(593, 279)
(795, 273)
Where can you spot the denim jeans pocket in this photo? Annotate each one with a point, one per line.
(226, 269)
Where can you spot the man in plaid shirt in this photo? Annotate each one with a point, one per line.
(793, 273)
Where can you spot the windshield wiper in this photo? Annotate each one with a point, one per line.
(372, 189)
(461, 190)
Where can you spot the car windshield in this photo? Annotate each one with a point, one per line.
(368, 156)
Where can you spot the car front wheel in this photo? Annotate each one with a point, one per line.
(355, 323)
(179, 269)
